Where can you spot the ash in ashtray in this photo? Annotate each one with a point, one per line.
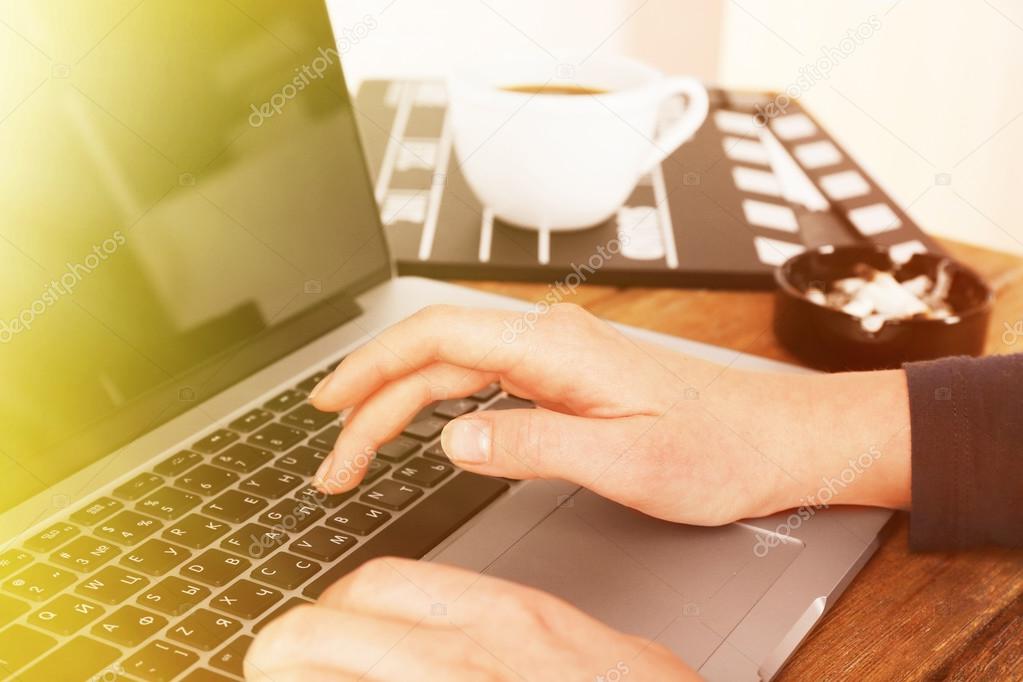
(876, 296)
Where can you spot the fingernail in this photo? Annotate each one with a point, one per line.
(467, 440)
(319, 386)
(320, 479)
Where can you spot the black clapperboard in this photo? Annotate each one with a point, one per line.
(721, 212)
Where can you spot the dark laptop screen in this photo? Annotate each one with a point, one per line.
(183, 199)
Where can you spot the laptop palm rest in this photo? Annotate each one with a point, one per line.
(684, 586)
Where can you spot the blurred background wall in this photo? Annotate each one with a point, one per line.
(931, 103)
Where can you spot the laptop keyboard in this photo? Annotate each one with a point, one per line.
(171, 574)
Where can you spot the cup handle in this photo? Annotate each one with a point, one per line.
(672, 137)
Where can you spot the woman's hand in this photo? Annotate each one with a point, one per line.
(399, 620)
(667, 434)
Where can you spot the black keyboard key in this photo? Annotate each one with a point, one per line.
(97, 511)
(19, 645)
(323, 544)
(196, 531)
(168, 503)
(13, 560)
(511, 403)
(486, 393)
(235, 506)
(204, 675)
(215, 567)
(303, 460)
(423, 472)
(359, 519)
(277, 437)
(66, 615)
(52, 537)
(112, 585)
(309, 383)
(291, 516)
(246, 599)
(10, 608)
(173, 596)
(243, 458)
(270, 482)
(39, 582)
(374, 470)
(307, 417)
(86, 657)
(142, 484)
(449, 409)
(285, 401)
(155, 557)
(391, 494)
(436, 451)
(413, 535)
(159, 661)
(129, 626)
(286, 571)
(231, 657)
(127, 528)
(278, 612)
(326, 439)
(206, 480)
(425, 429)
(397, 449)
(311, 495)
(251, 420)
(175, 465)
(215, 442)
(85, 553)
(204, 629)
(254, 541)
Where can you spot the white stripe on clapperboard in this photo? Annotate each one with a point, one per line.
(486, 235)
(436, 189)
(543, 245)
(401, 117)
(664, 217)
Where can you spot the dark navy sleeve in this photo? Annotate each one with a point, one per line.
(966, 417)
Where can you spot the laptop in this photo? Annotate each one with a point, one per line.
(190, 241)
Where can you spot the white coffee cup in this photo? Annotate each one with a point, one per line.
(565, 162)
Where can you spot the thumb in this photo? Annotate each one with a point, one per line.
(539, 443)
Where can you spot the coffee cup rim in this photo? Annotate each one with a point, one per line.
(470, 80)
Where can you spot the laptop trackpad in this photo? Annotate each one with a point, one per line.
(684, 586)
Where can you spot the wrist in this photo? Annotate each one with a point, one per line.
(860, 438)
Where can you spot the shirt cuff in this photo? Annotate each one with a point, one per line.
(966, 417)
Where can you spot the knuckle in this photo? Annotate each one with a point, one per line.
(569, 315)
(281, 639)
(539, 441)
(569, 310)
(522, 607)
(334, 595)
(366, 579)
(434, 311)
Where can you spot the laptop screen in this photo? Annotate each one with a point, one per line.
(183, 200)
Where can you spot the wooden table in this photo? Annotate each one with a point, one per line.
(907, 616)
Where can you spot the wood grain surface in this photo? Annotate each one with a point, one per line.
(906, 616)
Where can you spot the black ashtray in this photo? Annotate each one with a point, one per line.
(833, 340)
